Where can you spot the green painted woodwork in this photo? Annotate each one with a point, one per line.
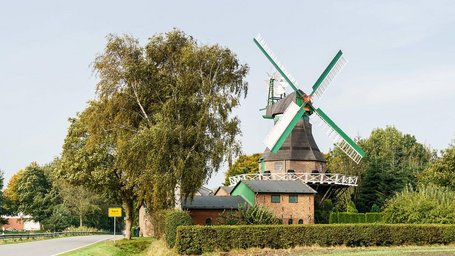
(245, 192)
(340, 132)
(276, 66)
(326, 71)
(288, 130)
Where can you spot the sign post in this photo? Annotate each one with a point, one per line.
(115, 212)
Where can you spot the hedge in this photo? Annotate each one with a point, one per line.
(200, 239)
(347, 217)
(174, 219)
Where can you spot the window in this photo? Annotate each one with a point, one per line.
(278, 166)
(293, 199)
(275, 198)
(300, 221)
(290, 221)
(208, 221)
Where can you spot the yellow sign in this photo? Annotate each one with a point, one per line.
(115, 212)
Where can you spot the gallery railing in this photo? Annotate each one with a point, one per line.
(312, 178)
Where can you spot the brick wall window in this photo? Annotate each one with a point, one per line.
(300, 221)
(293, 199)
(290, 221)
(275, 198)
(278, 166)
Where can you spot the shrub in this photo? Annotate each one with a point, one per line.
(375, 208)
(174, 219)
(333, 219)
(346, 217)
(81, 229)
(371, 217)
(256, 215)
(199, 239)
(425, 204)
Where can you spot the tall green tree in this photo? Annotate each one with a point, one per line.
(79, 201)
(442, 170)
(35, 193)
(245, 164)
(392, 161)
(162, 118)
(10, 203)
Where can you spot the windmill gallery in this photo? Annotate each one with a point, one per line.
(292, 175)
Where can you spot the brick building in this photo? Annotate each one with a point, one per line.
(290, 200)
(206, 210)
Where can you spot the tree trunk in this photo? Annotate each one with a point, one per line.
(80, 220)
(129, 216)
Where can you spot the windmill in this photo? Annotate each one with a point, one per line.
(301, 107)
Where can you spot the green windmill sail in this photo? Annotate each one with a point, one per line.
(304, 106)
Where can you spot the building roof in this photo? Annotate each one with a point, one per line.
(213, 202)
(203, 191)
(279, 186)
(228, 189)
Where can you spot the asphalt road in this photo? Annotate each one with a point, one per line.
(50, 246)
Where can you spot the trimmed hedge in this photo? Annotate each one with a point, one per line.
(347, 217)
(174, 219)
(199, 239)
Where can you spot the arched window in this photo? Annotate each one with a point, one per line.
(290, 221)
(208, 221)
(300, 221)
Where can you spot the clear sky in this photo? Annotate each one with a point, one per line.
(401, 68)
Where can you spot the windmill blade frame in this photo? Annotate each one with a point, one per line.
(340, 139)
(265, 49)
(331, 71)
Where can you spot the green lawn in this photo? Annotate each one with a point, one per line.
(136, 246)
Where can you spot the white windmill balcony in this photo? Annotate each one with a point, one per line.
(308, 178)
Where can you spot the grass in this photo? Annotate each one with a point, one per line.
(24, 240)
(136, 246)
(346, 251)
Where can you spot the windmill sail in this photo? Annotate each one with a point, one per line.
(283, 127)
(260, 42)
(340, 139)
(335, 66)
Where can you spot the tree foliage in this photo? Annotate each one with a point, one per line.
(245, 164)
(442, 170)
(426, 204)
(10, 203)
(392, 161)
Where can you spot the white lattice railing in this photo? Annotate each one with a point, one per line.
(313, 178)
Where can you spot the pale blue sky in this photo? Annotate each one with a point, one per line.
(401, 68)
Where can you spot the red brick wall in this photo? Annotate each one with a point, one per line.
(14, 223)
(303, 209)
(200, 216)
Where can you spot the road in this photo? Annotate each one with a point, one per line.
(50, 246)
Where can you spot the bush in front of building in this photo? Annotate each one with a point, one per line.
(347, 217)
(248, 215)
(257, 215)
(174, 219)
(200, 239)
